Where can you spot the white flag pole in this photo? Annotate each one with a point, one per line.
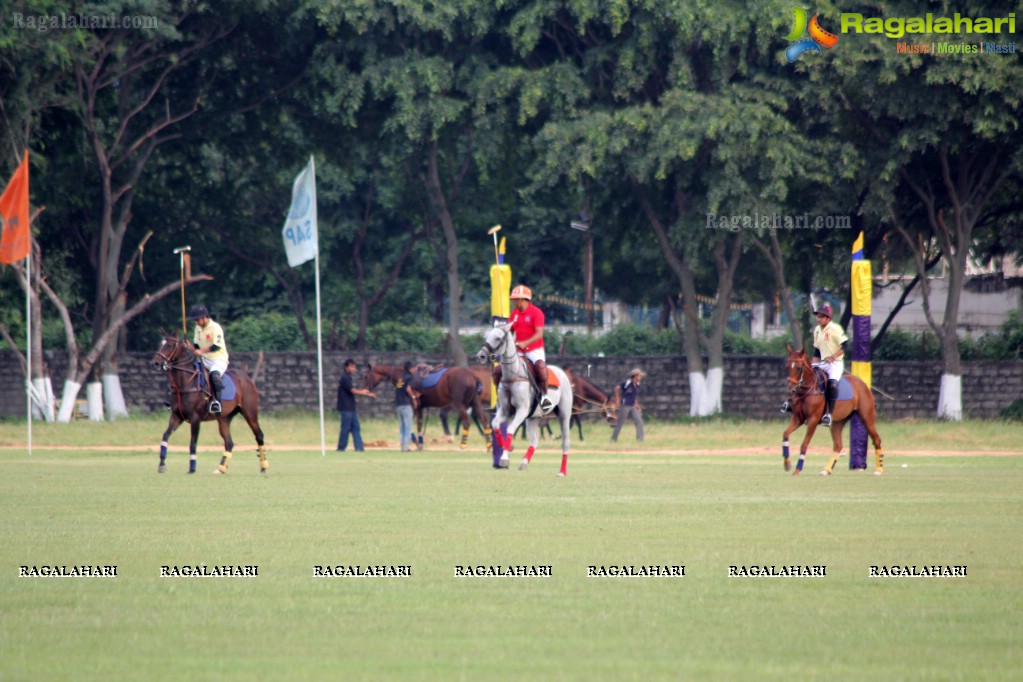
(319, 326)
(28, 345)
(319, 356)
(302, 244)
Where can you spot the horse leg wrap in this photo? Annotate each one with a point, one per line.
(831, 464)
(487, 437)
(564, 465)
(465, 438)
(263, 464)
(192, 461)
(785, 454)
(799, 464)
(879, 457)
(163, 451)
(529, 453)
(225, 462)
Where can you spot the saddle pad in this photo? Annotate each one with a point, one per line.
(434, 378)
(552, 378)
(845, 389)
(229, 388)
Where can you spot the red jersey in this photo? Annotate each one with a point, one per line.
(526, 323)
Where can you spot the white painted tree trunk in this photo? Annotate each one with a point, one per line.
(94, 400)
(950, 398)
(113, 397)
(705, 392)
(42, 403)
(67, 401)
(696, 382)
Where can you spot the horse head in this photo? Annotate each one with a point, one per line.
(494, 340)
(172, 351)
(800, 371)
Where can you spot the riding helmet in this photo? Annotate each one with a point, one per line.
(522, 292)
(198, 311)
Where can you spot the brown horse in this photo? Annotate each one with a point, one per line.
(588, 399)
(807, 399)
(483, 375)
(457, 388)
(189, 386)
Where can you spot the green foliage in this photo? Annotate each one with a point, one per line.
(904, 345)
(396, 336)
(1013, 412)
(267, 332)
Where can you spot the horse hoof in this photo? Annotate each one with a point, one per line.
(463, 446)
(219, 470)
(523, 465)
(825, 472)
(561, 475)
(162, 469)
(878, 472)
(796, 472)
(788, 465)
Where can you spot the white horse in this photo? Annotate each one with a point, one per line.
(515, 396)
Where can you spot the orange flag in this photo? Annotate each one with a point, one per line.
(15, 242)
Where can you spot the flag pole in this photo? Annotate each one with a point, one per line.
(319, 332)
(28, 342)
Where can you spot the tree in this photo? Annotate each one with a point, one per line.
(940, 171)
(132, 89)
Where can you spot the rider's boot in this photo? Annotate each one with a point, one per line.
(218, 387)
(540, 369)
(786, 407)
(830, 395)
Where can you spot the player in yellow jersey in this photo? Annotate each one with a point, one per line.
(212, 350)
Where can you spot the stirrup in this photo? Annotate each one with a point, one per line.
(786, 407)
(826, 420)
(545, 404)
(214, 406)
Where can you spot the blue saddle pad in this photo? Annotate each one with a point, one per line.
(434, 378)
(229, 387)
(230, 391)
(845, 389)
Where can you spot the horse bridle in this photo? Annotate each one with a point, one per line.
(798, 387)
(170, 363)
(492, 356)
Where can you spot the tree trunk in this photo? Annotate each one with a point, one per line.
(439, 204)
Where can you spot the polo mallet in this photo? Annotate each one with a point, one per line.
(493, 231)
(181, 251)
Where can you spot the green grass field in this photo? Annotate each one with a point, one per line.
(101, 502)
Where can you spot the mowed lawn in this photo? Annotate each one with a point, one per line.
(627, 504)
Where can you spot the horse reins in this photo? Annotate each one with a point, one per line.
(798, 388)
(170, 365)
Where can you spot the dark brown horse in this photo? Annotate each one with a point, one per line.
(807, 399)
(483, 375)
(457, 388)
(588, 399)
(190, 401)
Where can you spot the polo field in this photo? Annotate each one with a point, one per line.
(690, 555)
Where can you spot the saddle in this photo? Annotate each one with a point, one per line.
(206, 386)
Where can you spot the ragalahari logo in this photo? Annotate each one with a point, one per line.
(818, 36)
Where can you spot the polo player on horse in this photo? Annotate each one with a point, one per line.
(212, 350)
(527, 322)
